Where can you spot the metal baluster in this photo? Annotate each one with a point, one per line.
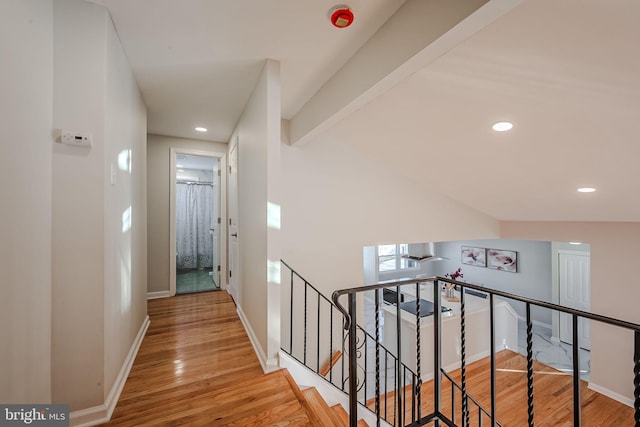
(342, 359)
(437, 363)
(404, 394)
(479, 417)
(453, 402)
(291, 318)
(331, 308)
(318, 338)
(304, 355)
(378, 339)
(396, 383)
(413, 398)
(353, 364)
(418, 382)
(493, 360)
(386, 388)
(399, 355)
(463, 357)
(366, 368)
(636, 377)
(529, 367)
(576, 374)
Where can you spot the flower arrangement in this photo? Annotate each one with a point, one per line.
(455, 275)
(450, 287)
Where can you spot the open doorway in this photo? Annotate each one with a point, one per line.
(197, 223)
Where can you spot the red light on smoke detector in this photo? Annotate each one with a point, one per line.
(342, 17)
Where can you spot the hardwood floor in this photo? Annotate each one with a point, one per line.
(553, 391)
(196, 367)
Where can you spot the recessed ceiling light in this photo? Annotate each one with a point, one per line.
(502, 126)
(575, 243)
(201, 129)
(586, 190)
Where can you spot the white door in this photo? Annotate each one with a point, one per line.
(233, 220)
(575, 292)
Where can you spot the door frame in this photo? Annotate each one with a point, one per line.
(233, 243)
(222, 240)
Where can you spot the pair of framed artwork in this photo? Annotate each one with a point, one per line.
(496, 259)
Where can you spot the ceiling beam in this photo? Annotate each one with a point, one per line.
(417, 34)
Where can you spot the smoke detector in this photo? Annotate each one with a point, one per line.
(341, 16)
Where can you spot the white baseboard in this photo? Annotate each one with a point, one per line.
(158, 294)
(612, 394)
(268, 365)
(232, 291)
(102, 413)
(542, 324)
(536, 323)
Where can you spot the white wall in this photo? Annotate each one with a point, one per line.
(533, 279)
(125, 287)
(99, 247)
(614, 248)
(258, 133)
(336, 202)
(26, 96)
(79, 205)
(159, 182)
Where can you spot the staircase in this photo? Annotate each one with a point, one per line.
(319, 413)
(331, 344)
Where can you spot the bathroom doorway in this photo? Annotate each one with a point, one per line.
(197, 222)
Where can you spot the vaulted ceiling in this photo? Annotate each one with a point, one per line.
(565, 72)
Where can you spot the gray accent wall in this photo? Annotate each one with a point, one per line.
(533, 279)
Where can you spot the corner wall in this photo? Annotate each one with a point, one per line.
(258, 293)
(79, 205)
(125, 287)
(614, 249)
(159, 182)
(26, 96)
(99, 213)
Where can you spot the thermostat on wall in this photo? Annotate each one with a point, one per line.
(76, 138)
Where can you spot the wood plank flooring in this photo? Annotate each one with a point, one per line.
(196, 367)
(553, 393)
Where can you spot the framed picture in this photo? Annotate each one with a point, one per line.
(499, 259)
(473, 256)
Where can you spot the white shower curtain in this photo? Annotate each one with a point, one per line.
(194, 243)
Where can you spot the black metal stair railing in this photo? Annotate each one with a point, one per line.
(382, 385)
(315, 319)
(437, 416)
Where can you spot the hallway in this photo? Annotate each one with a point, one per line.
(196, 367)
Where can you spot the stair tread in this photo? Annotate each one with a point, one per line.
(343, 416)
(322, 414)
(341, 413)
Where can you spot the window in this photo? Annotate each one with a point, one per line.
(390, 258)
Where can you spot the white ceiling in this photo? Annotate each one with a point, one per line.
(566, 72)
(197, 61)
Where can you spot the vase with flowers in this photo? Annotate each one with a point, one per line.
(450, 287)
